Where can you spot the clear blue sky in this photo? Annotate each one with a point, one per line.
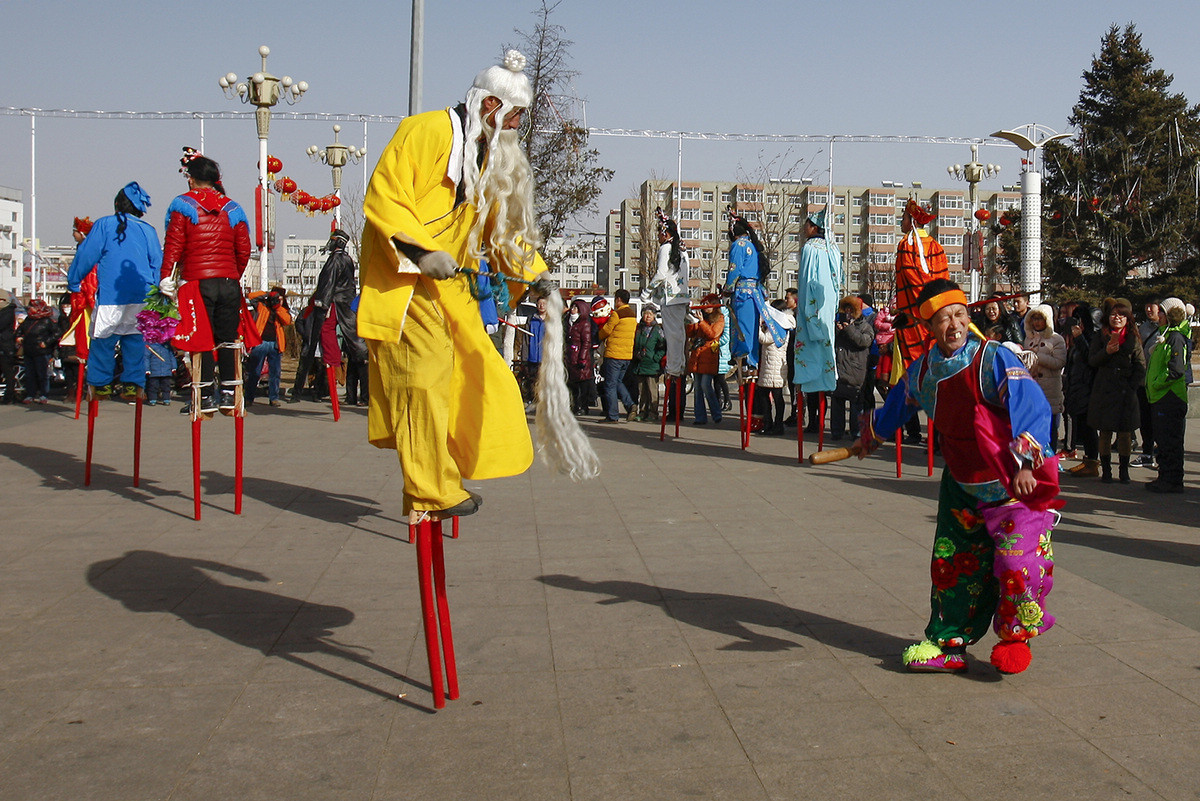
(940, 68)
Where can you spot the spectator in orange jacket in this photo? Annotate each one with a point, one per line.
(704, 364)
(271, 315)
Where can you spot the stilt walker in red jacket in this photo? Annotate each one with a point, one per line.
(207, 247)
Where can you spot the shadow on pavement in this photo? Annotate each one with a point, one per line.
(330, 507)
(149, 581)
(733, 614)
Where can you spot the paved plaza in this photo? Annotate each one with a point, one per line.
(697, 623)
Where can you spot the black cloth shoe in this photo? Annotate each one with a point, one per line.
(468, 507)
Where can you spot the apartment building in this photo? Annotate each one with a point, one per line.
(12, 220)
(576, 261)
(864, 221)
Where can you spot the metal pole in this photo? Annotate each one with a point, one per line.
(1031, 232)
(264, 209)
(33, 265)
(416, 55)
(201, 134)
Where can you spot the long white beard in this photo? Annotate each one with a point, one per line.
(505, 230)
(561, 442)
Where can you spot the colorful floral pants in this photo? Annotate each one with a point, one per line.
(990, 562)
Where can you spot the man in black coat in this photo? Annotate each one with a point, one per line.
(8, 346)
(330, 311)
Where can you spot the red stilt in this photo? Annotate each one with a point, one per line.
(679, 402)
(929, 443)
(429, 610)
(412, 533)
(238, 434)
(137, 438)
(443, 610)
(821, 422)
(798, 411)
(93, 410)
(741, 407)
(899, 448)
(662, 429)
(331, 371)
(454, 528)
(79, 387)
(196, 466)
(749, 416)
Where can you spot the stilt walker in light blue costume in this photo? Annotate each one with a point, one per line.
(127, 256)
(748, 268)
(819, 286)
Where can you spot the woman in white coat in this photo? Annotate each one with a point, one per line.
(1050, 356)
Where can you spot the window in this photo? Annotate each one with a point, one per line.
(293, 250)
(881, 258)
(706, 235)
(752, 216)
(725, 198)
(793, 237)
(796, 202)
(637, 212)
(636, 245)
(856, 239)
(707, 254)
(689, 214)
(856, 220)
(950, 202)
(951, 240)
(635, 229)
(749, 196)
(881, 219)
(839, 219)
(840, 201)
(817, 198)
(708, 197)
(793, 257)
(772, 217)
(950, 222)
(773, 198)
(707, 216)
(954, 258)
(880, 199)
(839, 238)
(723, 255)
(855, 259)
(882, 238)
(689, 233)
(689, 193)
(662, 195)
(857, 203)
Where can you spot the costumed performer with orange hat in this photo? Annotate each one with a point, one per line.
(992, 558)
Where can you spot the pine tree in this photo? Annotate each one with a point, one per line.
(1121, 194)
(566, 171)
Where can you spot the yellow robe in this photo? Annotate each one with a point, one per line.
(411, 198)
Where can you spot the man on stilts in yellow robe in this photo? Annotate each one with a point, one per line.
(452, 186)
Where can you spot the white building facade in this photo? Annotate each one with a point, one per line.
(12, 221)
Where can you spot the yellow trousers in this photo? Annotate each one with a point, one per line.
(445, 400)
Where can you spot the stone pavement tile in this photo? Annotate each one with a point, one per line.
(762, 683)
(613, 647)
(448, 750)
(115, 744)
(738, 629)
(847, 639)
(29, 595)
(797, 728)
(25, 707)
(467, 785)
(1170, 662)
(589, 694)
(994, 719)
(710, 579)
(172, 652)
(854, 598)
(734, 783)
(1189, 689)
(884, 678)
(1077, 665)
(65, 652)
(1035, 769)
(1097, 614)
(1166, 762)
(493, 593)
(598, 581)
(696, 736)
(461, 565)
(601, 545)
(806, 557)
(1111, 709)
(897, 777)
(490, 639)
(298, 740)
(514, 694)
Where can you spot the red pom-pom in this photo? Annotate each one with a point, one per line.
(1010, 656)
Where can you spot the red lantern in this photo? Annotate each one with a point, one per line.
(285, 186)
(300, 198)
(337, 201)
(1005, 220)
(326, 204)
(274, 165)
(314, 203)
(983, 215)
(1095, 203)
(1056, 216)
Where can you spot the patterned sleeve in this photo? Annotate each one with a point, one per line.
(1007, 383)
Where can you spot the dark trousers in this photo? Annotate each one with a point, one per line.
(1083, 435)
(223, 301)
(158, 388)
(772, 400)
(1170, 420)
(837, 414)
(37, 375)
(8, 367)
(356, 382)
(1147, 417)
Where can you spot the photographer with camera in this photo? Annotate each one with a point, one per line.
(271, 315)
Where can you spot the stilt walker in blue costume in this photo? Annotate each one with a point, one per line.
(820, 281)
(748, 269)
(992, 558)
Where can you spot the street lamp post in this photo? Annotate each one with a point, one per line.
(973, 173)
(1031, 200)
(263, 90)
(336, 156)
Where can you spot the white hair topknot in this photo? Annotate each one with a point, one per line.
(514, 61)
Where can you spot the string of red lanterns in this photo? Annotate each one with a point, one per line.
(290, 191)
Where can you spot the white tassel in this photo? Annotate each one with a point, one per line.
(560, 441)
